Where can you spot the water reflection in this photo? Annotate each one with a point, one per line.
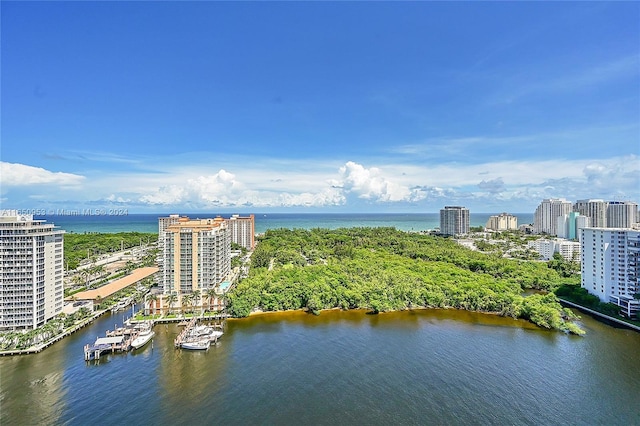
(339, 367)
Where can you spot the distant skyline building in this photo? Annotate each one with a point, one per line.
(454, 220)
(595, 210)
(32, 271)
(243, 230)
(545, 219)
(196, 255)
(569, 225)
(502, 222)
(610, 266)
(621, 214)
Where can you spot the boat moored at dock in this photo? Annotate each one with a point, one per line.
(201, 344)
(144, 334)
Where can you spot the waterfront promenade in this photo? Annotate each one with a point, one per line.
(42, 346)
(601, 315)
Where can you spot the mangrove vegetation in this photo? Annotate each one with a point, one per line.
(383, 269)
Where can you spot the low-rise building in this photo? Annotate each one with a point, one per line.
(569, 250)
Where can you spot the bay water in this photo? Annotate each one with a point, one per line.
(413, 367)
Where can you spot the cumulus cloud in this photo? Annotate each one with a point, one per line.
(369, 184)
(223, 189)
(165, 195)
(15, 174)
(351, 184)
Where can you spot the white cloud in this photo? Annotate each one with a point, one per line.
(352, 185)
(14, 174)
(369, 184)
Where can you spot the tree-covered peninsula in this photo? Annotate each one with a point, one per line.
(383, 269)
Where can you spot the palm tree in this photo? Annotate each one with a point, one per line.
(85, 273)
(171, 299)
(210, 293)
(195, 298)
(186, 300)
(152, 301)
(97, 270)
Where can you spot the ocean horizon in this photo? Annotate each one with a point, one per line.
(148, 222)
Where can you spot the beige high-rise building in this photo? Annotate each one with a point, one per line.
(32, 271)
(502, 222)
(243, 230)
(196, 255)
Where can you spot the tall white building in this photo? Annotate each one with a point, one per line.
(545, 220)
(502, 222)
(621, 214)
(595, 210)
(32, 270)
(610, 266)
(569, 225)
(243, 230)
(454, 220)
(196, 255)
(163, 224)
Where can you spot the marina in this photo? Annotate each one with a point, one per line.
(196, 336)
(137, 334)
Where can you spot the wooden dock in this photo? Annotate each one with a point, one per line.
(117, 340)
(185, 332)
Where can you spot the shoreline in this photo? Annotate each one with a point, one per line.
(519, 322)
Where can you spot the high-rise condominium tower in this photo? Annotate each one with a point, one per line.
(196, 255)
(595, 210)
(454, 220)
(242, 230)
(610, 266)
(545, 220)
(621, 214)
(32, 270)
(502, 222)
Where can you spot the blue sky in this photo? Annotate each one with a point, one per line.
(325, 106)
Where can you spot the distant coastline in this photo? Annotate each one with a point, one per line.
(264, 221)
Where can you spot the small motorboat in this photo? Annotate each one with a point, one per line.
(196, 345)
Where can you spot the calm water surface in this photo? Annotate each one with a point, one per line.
(264, 222)
(420, 367)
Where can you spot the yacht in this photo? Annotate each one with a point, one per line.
(145, 334)
(205, 331)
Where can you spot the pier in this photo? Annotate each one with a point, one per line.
(185, 332)
(106, 344)
(117, 340)
(600, 314)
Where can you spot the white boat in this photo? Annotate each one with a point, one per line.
(205, 331)
(145, 334)
(196, 345)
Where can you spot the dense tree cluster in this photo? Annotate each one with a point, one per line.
(384, 269)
